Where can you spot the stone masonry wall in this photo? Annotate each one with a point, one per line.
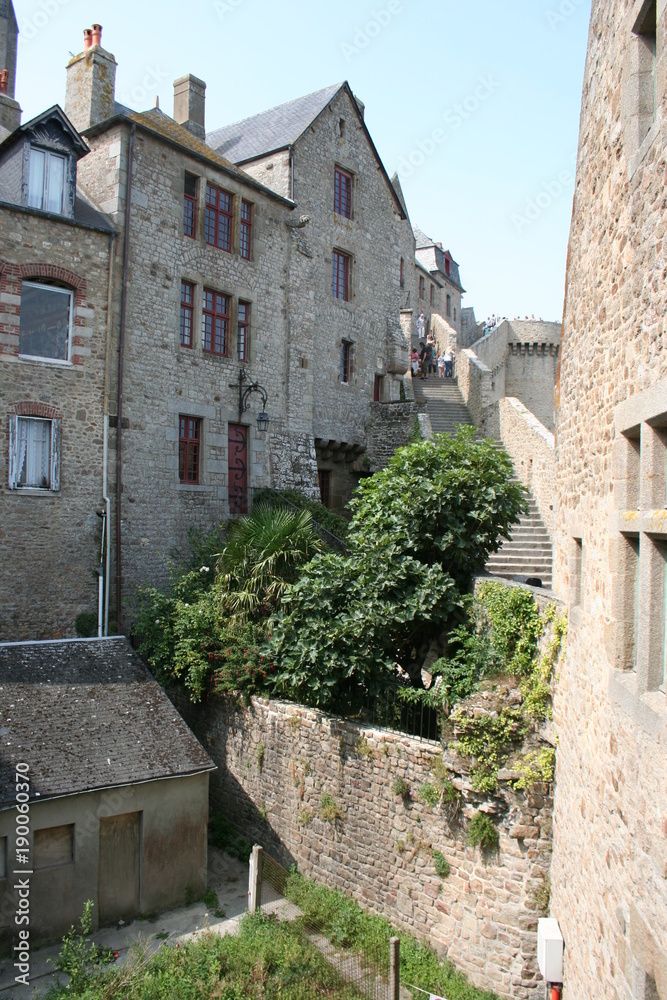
(390, 426)
(531, 447)
(475, 382)
(610, 847)
(50, 540)
(277, 759)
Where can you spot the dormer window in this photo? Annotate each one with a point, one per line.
(46, 186)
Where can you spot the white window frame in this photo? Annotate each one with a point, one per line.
(62, 291)
(15, 460)
(43, 196)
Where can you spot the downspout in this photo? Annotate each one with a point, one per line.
(291, 173)
(121, 358)
(105, 470)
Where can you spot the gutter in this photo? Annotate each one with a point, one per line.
(121, 359)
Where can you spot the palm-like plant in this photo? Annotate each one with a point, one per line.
(263, 554)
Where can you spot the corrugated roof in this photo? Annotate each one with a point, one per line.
(87, 715)
(270, 130)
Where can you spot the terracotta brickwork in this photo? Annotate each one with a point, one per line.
(610, 847)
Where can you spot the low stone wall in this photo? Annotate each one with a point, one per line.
(276, 760)
(389, 426)
(475, 382)
(531, 447)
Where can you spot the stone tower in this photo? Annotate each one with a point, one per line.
(91, 82)
(609, 873)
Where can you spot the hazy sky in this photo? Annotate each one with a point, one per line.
(475, 103)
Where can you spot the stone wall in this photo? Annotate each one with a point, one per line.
(476, 385)
(277, 759)
(531, 447)
(390, 426)
(610, 847)
(50, 539)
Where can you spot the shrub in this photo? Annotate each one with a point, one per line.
(428, 794)
(441, 864)
(400, 787)
(80, 958)
(86, 624)
(328, 810)
(482, 833)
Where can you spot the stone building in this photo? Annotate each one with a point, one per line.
(609, 871)
(115, 784)
(55, 257)
(280, 259)
(438, 286)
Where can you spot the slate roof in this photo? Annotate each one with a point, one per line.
(432, 257)
(87, 715)
(270, 130)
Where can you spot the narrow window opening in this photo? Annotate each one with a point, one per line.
(324, 476)
(190, 206)
(345, 361)
(189, 437)
(215, 322)
(243, 331)
(245, 239)
(187, 310)
(577, 563)
(340, 276)
(341, 127)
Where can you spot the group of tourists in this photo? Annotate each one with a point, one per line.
(426, 361)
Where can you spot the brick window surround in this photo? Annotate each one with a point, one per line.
(215, 323)
(218, 218)
(187, 312)
(342, 193)
(638, 542)
(245, 237)
(11, 280)
(243, 332)
(340, 276)
(190, 206)
(35, 432)
(189, 444)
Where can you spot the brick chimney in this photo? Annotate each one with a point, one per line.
(91, 82)
(10, 112)
(189, 104)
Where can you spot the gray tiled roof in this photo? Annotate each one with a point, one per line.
(87, 715)
(431, 256)
(271, 130)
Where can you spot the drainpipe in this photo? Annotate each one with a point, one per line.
(105, 460)
(291, 173)
(121, 358)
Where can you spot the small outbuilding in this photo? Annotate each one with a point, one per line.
(103, 789)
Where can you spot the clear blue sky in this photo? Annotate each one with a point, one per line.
(475, 103)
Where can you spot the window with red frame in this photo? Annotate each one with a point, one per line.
(345, 361)
(432, 294)
(402, 273)
(340, 276)
(421, 288)
(218, 218)
(215, 322)
(243, 332)
(245, 241)
(189, 440)
(343, 194)
(190, 206)
(187, 310)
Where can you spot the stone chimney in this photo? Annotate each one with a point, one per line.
(91, 82)
(10, 112)
(189, 104)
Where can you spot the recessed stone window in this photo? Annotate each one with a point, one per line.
(640, 78)
(638, 544)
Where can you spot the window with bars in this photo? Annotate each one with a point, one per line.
(422, 287)
(245, 240)
(218, 218)
(187, 311)
(34, 453)
(46, 180)
(189, 441)
(190, 206)
(340, 276)
(243, 332)
(343, 193)
(345, 361)
(215, 322)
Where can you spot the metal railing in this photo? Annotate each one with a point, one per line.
(394, 708)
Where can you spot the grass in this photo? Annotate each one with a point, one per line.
(266, 959)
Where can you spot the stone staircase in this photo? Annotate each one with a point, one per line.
(445, 405)
(528, 554)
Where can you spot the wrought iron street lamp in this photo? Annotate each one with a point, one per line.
(246, 388)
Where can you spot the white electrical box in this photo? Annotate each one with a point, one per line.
(550, 949)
